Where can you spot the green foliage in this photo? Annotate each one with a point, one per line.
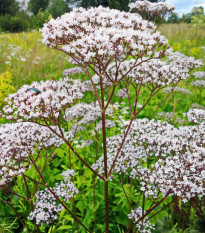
(16, 23)
(173, 18)
(198, 17)
(6, 87)
(94, 3)
(187, 18)
(8, 225)
(166, 225)
(10, 7)
(113, 4)
(39, 19)
(37, 5)
(119, 4)
(27, 59)
(58, 7)
(197, 10)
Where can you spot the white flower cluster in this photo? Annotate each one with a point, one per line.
(86, 113)
(76, 128)
(83, 143)
(109, 124)
(100, 34)
(198, 83)
(150, 72)
(122, 93)
(88, 85)
(181, 174)
(68, 174)
(143, 226)
(196, 115)
(167, 116)
(107, 82)
(151, 8)
(170, 116)
(46, 206)
(77, 111)
(177, 89)
(198, 106)
(185, 63)
(176, 158)
(3, 183)
(18, 141)
(94, 114)
(43, 100)
(74, 70)
(154, 134)
(199, 74)
(180, 121)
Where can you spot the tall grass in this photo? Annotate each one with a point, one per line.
(186, 38)
(27, 59)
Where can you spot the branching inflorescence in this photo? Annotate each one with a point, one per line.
(151, 9)
(124, 52)
(46, 207)
(19, 141)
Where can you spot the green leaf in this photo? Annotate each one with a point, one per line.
(65, 227)
(2, 210)
(122, 219)
(51, 229)
(81, 206)
(61, 152)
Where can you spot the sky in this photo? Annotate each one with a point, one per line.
(185, 6)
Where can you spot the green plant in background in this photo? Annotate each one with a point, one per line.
(189, 47)
(8, 225)
(41, 18)
(16, 23)
(199, 17)
(6, 86)
(27, 59)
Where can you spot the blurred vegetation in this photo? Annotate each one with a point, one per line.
(5, 85)
(196, 16)
(19, 17)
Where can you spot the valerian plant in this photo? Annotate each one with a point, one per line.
(122, 55)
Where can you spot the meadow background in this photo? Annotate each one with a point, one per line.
(24, 59)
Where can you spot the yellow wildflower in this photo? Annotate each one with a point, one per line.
(5, 86)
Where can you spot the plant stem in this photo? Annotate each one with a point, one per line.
(16, 214)
(187, 217)
(148, 212)
(94, 184)
(119, 150)
(72, 149)
(162, 208)
(128, 128)
(105, 158)
(174, 110)
(31, 201)
(57, 198)
(163, 101)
